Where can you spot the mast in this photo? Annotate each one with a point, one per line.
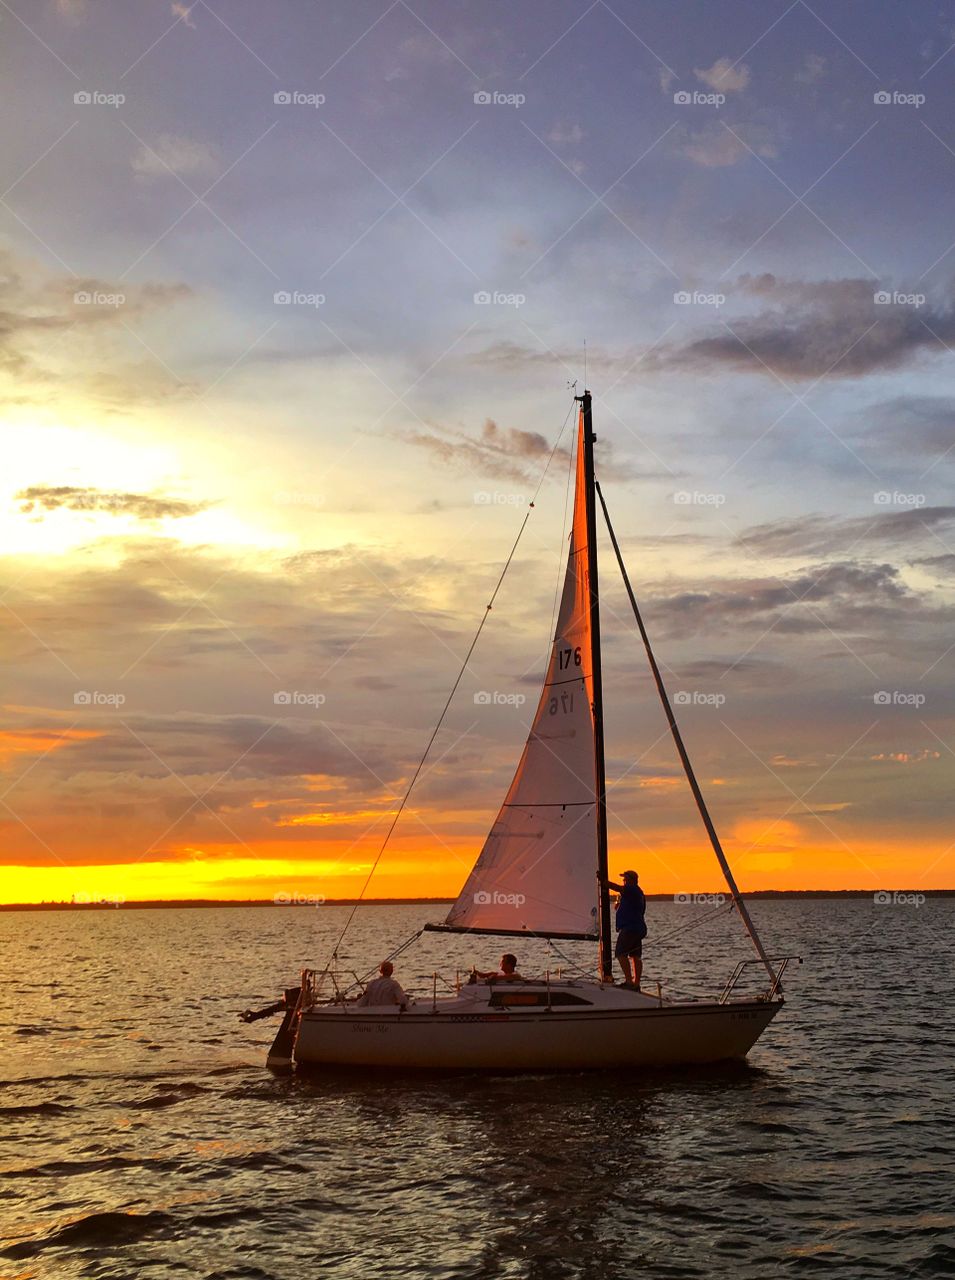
(600, 776)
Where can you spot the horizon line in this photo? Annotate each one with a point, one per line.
(316, 900)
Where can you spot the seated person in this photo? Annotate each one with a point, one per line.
(506, 973)
(384, 990)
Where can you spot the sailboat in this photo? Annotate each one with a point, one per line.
(543, 873)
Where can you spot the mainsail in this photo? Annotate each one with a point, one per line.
(537, 871)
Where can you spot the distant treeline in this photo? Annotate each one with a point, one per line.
(160, 904)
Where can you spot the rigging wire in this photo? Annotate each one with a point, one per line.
(392, 955)
(454, 688)
(702, 919)
(684, 757)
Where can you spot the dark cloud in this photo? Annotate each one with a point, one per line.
(142, 506)
(809, 329)
(502, 452)
(509, 453)
(841, 595)
(821, 535)
(194, 745)
(942, 565)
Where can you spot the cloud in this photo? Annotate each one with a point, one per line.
(813, 328)
(565, 135)
(908, 757)
(724, 76)
(141, 506)
(755, 671)
(516, 357)
(175, 154)
(920, 424)
(424, 47)
(716, 146)
(822, 535)
(61, 304)
(163, 785)
(138, 382)
(812, 69)
(217, 637)
(90, 319)
(72, 10)
(844, 595)
(495, 451)
(193, 744)
(507, 453)
(943, 565)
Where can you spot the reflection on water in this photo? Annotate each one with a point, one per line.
(142, 1137)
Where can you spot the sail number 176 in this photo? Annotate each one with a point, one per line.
(566, 656)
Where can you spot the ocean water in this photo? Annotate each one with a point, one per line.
(142, 1136)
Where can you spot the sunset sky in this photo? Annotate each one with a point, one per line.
(267, 445)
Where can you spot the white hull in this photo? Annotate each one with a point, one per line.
(614, 1028)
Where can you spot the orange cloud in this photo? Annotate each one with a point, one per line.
(32, 742)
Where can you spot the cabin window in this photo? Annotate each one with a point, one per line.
(534, 999)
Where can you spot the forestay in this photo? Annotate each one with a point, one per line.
(537, 871)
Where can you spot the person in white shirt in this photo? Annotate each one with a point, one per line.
(384, 990)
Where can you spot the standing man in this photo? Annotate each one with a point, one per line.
(631, 927)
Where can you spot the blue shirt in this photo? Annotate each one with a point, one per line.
(631, 907)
